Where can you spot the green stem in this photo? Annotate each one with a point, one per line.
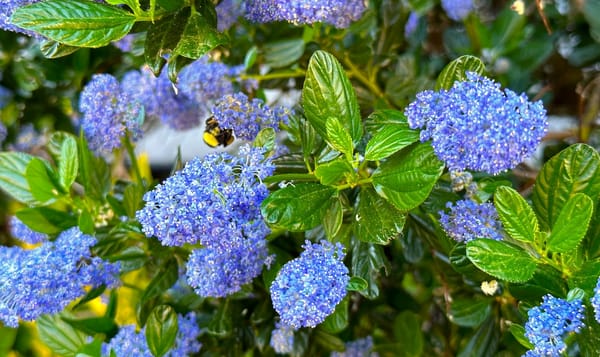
(362, 182)
(132, 158)
(275, 75)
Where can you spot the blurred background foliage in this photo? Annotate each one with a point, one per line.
(548, 49)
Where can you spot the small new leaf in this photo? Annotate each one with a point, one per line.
(518, 219)
(338, 137)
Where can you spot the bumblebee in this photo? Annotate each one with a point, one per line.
(214, 135)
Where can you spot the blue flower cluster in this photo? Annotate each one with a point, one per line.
(3, 132)
(183, 106)
(411, 24)
(25, 234)
(5, 96)
(46, 279)
(109, 113)
(307, 289)
(7, 9)
(477, 126)
(228, 12)
(282, 339)
(548, 324)
(457, 9)
(469, 220)
(360, 348)
(214, 201)
(595, 300)
(247, 117)
(339, 13)
(128, 342)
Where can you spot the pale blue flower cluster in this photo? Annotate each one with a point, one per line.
(550, 322)
(247, 117)
(7, 9)
(22, 232)
(339, 13)
(186, 104)
(359, 348)
(228, 12)
(468, 220)
(46, 279)
(595, 300)
(214, 201)
(109, 113)
(5, 96)
(411, 24)
(3, 132)
(308, 288)
(457, 9)
(282, 339)
(477, 126)
(128, 342)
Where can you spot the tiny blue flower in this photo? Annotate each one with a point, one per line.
(470, 220)
(477, 126)
(595, 300)
(339, 13)
(549, 323)
(108, 113)
(282, 339)
(214, 272)
(46, 279)
(359, 348)
(457, 9)
(247, 117)
(308, 288)
(127, 342)
(25, 234)
(209, 201)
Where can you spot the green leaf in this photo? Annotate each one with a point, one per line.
(93, 325)
(484, 341)
(283, 53)
(573, 170)
(469, 312)
(161, 330)
(53, 49)
(332, 222)
(78, 23)
(546, 280)
(518, 333)
(94, 173)
(392, 134)
(133, 199)
(130, 259)
(61, 337)
(367, 261)
(407, 178)
(456, 71)
(338, 137)
(266, 138)
(337, 321)
(163, 280)
(221, 324)
(41, 180)
(518, 219)
(328, 93)
(572, 224)
(200, 34)
(68, 164)
(299, 207)
(46, 220)
(54, 145)
(407, 331)
(162, 38)
(334, 172)
(12, 176)
(86, 222)
(357, 283)
(501, 260)
(376, 220)
(586, 277)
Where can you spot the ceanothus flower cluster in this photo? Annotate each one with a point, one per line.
(109, 113)
(359, 348)
(7, 9)
(128, 342)
(477, 126)
(46, 279)
(457, 9)
(247, 117)
(228, 12)
(339, 13)
(595, 300)
(22, 232)
(308, 288)
(468, 220)
(282, 339)
(215, 202)
(550, 322)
